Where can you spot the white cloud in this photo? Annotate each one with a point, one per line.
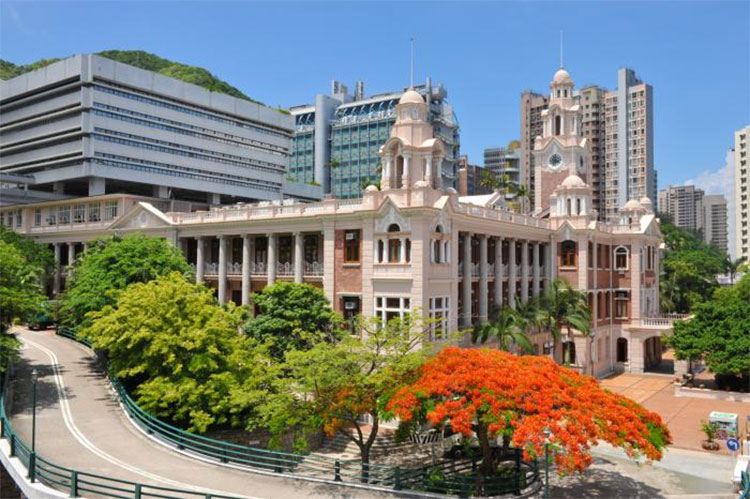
(720, 181)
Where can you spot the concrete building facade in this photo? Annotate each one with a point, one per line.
(685, 204)
(411, 244)
(532, 105)
(91, 126)
(714, 221)
(470, 178)
(741, 192)
(337, 139)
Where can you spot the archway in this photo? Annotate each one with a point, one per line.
(653, 358)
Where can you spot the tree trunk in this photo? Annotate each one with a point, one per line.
(488, 463)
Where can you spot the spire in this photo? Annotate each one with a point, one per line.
(561, 49)
(411, 81)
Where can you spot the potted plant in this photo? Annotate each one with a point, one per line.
(709, 429)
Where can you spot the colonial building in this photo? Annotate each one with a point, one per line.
(412, 246)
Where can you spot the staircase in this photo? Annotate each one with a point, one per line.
(384, 450)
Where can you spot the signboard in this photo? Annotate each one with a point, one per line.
(733, 444)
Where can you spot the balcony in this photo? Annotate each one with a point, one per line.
(260, 269)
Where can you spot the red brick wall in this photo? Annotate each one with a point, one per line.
(346, 278)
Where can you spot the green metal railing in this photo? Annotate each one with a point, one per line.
(310, 466)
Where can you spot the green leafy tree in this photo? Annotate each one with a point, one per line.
(9, 350)
(334, 384)
(20, 288)
(183, 353)
(108, 266)
(37, 255)
(719, 333)
(293, 316)
(507, 327)
(732, 267)
(564, 309)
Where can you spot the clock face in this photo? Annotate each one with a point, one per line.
(555, 161)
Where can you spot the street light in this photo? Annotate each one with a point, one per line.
(32, 456)
(546, 463)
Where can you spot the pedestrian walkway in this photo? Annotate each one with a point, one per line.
(81, 425)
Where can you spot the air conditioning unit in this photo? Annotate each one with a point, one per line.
(350, 305)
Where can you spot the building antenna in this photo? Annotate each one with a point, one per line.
(411, 85)
(561, 49)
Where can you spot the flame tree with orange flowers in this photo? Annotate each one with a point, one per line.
(502, 394)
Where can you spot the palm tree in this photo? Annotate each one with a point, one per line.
(731, 267)
(565, 308)
(504, 325)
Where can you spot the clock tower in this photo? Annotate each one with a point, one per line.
(561, 150)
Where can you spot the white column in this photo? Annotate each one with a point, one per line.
(222, 269)
(272, 258)
(535, 270)
(428, 169)
(498, 272)
(524, 271)
(551, 264)
(298, 257)
(200, 259)
(405, 175)
(512, 273)
(402, 248)
(329, 253)
(466, 289)
(246, 256)
(483, 289)
(57, 270)
(387, 172)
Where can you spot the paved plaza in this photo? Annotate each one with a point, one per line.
(683, 415)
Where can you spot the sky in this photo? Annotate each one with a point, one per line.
(695, 54)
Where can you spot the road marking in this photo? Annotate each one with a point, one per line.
(70, 424)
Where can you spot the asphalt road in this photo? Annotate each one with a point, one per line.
(80, 425)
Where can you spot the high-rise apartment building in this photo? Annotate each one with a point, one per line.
(629, 146)
(470, 178)
(620, 140)
(714, 220)
(741, 192)
(337, 140)
(683, 203)
(532, 105)
(88, 125)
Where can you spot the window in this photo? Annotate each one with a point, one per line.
(351, 246)
(621, 258)
(79, 213)
(569, 352)
(37, 217)
(64, 214)
(621, 304)
(622, 350)
(394, 250)
(381, 251)
(590, 256)
(94, 215)
(439, 317)
(19, 218)
(388, 307)
(110, 210)
(568, 254)
(557, 120)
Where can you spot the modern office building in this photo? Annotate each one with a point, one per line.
(412, 245)
(620, 137)
(337, 139)
(88, 125)
(470, 178)
(504, 161)
(684, 204)
(532, 105)
(714, 221)
(741, 192)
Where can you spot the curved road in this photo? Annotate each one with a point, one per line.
(80, 425)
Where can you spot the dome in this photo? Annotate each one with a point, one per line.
(645, 201)
(573, 181)
(372, 188)
(411, 97)
(632, 205)
(561, 77)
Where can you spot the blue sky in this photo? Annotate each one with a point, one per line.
(695, 54)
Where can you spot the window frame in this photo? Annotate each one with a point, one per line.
(352, 246)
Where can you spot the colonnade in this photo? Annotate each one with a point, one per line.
(495, 269)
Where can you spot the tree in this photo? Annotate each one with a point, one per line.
(719, 333)
(731, 267)
(481, 391)
(334, 384)
(507, 327)
(20, 288)
(37, 255)
(182, 352)
(108, 266)
(564, 308)
(293, 316)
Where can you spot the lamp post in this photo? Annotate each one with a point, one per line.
(546, 463)
(32, 456)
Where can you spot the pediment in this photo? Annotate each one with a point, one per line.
(390, 214)
(141, 216)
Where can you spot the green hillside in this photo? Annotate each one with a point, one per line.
(144, 60)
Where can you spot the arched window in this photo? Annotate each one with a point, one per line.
(578, 206)
(622, 350)
(394, 228)
(558, 121)
(568, 254)
(407, 249)
(439, 229)
(565, 92)
(436, 250)
(399, 172)
(394, 250)
(381, 250)
(570, 209)
(621, 258)
(558, 92)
